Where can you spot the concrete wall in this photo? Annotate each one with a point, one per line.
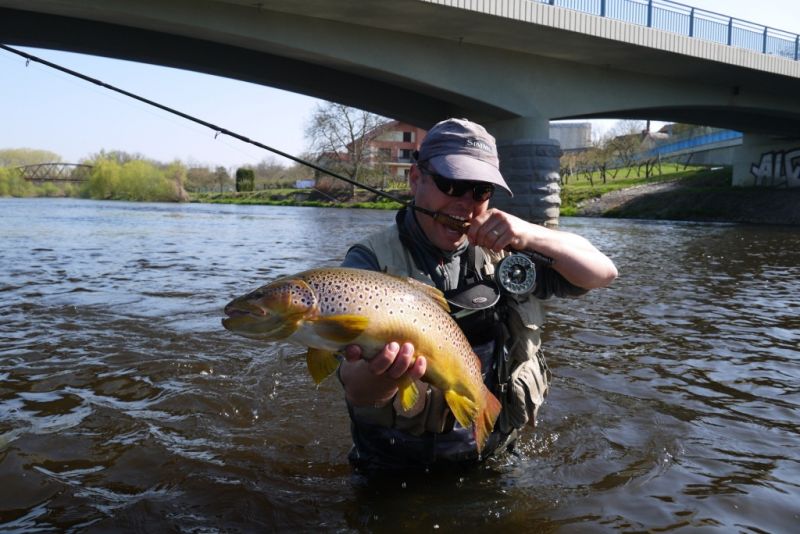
(767, 161)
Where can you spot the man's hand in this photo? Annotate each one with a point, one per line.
(496, 230)
(575, 258)
(373, 381)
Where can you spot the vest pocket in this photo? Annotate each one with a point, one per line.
(527, 388)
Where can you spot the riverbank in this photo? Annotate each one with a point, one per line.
(305, 197)
(706, 196)
(695, 195)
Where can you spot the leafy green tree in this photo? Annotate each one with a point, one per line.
(104, 180)
(137, 180)
(176, 173)
(120, 156)
(17, 157)
(245, 179)
(13, 185)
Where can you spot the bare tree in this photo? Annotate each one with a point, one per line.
(625, 143)
(341, 138)
(222, 178)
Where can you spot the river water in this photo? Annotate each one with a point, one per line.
(125, 406)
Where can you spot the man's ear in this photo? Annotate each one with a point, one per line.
(413, 178)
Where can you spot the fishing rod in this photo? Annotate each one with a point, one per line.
(443, 218)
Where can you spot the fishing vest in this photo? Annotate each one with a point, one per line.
(522, 374)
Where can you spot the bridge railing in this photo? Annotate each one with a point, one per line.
(694, 140)
(687, 20)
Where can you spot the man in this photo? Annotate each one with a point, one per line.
(455, 174)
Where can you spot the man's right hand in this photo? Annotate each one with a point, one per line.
(373, 381)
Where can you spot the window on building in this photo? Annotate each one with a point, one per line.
(405, 154)
(385, 154)
(408, 137)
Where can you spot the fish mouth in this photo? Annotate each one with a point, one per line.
(270, 328)
(239, 308)
(243, 317)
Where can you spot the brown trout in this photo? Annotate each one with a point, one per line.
(330, 308)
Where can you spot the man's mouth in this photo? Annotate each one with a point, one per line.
(460, 221)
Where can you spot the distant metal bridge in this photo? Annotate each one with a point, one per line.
(55, 172)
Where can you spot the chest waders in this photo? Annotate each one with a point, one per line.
(505, 336)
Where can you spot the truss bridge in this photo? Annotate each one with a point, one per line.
(55, 172)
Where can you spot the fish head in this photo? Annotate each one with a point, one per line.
(271, 312)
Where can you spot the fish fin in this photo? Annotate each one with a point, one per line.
(484, 423)
(462, 407)
(431, 291)
(408, 392)
(341, 328)
(321, 363)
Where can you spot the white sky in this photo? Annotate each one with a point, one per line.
(44, 109)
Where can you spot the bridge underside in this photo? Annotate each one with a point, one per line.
(419, 62)
(405, 97)
(415, 105)
(753, 120)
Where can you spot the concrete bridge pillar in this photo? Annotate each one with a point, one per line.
(530, 163)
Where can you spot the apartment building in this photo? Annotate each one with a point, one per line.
(394, 145)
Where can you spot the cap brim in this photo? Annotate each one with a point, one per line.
(461, 167)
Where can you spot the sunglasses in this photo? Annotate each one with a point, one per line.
(481, 191)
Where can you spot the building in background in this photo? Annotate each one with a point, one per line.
(394, 147)
(572, 135)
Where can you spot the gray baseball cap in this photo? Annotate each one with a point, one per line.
(462, 150)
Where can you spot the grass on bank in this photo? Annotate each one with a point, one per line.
(141, 181)
(579, 189)
(301, 197)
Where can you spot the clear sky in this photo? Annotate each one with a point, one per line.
(44, 109)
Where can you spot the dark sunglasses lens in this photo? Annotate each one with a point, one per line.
(449, 187)
(456, 188)
(482, 192)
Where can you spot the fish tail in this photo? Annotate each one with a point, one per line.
(487, 415)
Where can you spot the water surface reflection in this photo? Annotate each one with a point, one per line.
(124, 405)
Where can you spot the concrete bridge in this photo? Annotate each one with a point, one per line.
(513, 65)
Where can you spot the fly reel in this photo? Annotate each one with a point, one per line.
(516, 274)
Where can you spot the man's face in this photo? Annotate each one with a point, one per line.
(427, 195)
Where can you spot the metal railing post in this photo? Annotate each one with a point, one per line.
(730, 30)
(602, 8)
(797, 48)
(649, 13)
(691, 23)
(764, 45)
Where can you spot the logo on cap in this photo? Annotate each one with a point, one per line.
(477, 143)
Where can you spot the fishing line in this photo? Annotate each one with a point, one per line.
(442, 218)
(61, 77)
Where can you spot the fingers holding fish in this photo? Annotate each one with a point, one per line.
(404, 362)
(397, 361)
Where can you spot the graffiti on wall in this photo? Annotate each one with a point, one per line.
(779, 168)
